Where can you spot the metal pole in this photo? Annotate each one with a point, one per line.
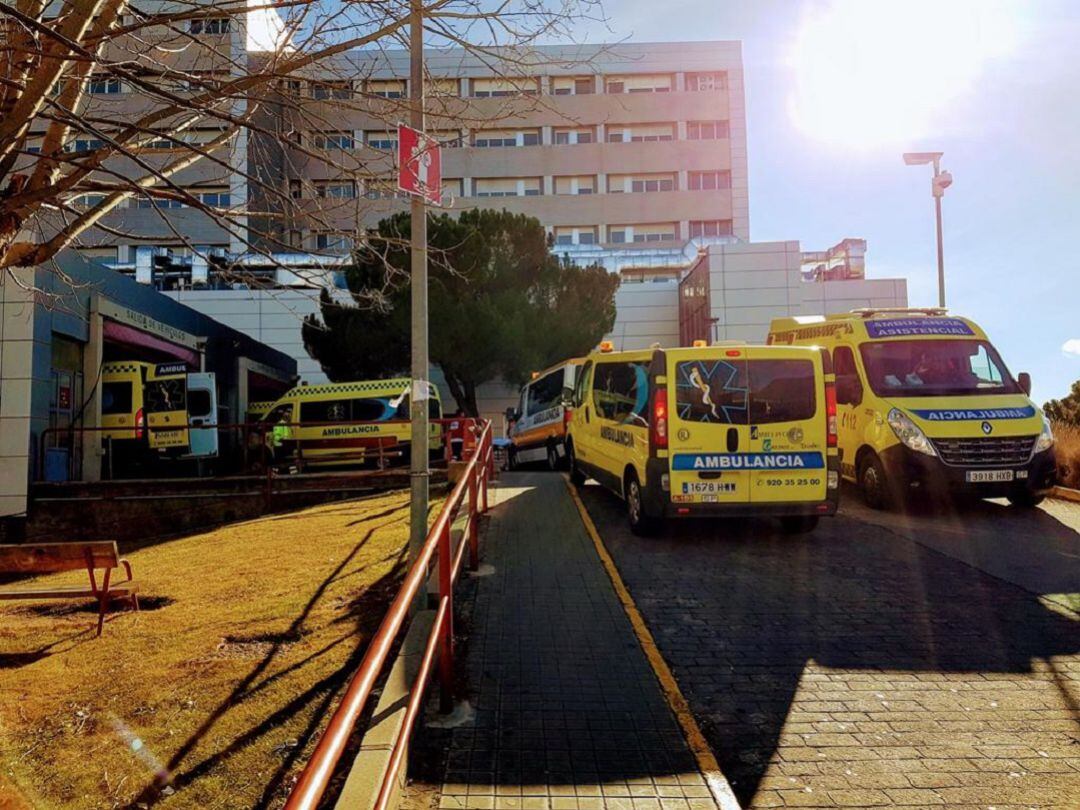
(940, 247)
(418, 403)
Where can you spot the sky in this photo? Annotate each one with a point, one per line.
(837, 90)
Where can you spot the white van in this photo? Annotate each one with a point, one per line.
(538, 423)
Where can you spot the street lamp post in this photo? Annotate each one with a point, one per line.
(940, 182)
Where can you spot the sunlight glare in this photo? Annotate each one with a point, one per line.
(870, 74)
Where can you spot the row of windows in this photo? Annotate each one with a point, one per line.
(640, 233)
(347, 140)
(569, 185)
(565, 235)
(216, 198)
(339, 89)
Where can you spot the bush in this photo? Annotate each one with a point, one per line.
(1068, 454)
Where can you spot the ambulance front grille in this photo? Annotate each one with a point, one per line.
(1005, 451)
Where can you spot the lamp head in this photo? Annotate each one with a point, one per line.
(920, 158)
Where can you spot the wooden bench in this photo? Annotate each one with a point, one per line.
(49, 558)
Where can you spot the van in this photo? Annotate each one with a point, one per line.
(123, 410)
(373, 414)
(708, 431)
(538, 423)
(181, 412)
(925, 403)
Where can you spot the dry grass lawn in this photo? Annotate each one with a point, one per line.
(237, 655)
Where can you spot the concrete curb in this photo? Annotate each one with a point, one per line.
(1066, 494)
(368, 769)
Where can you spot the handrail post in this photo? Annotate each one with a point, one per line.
(446, 644)
(474, 517)
(483, 469)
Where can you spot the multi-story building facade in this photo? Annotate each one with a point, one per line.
(618, 146)
(632, 155)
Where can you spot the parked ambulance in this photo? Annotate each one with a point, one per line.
(925, 402)
(341, 424)
(713, 431)
(181, 412)
(538, 423)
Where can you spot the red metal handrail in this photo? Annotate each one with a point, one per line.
(470, 491)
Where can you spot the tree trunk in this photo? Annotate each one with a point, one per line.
(464, 393)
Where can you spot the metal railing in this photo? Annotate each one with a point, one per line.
(470, 492)
(253, 436)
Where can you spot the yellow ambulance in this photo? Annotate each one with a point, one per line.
(339, 424)
(720, 430)
(925, 403)
(123, 413)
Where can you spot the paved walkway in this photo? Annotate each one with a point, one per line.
(568, 712)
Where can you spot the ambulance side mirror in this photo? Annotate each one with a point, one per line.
(1023, 379)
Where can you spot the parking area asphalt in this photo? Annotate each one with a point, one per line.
(901, 660)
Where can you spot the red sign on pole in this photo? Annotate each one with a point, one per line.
(420, 169)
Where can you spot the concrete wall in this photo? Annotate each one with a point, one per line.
(18, 345)
(273, 317)
(646, 313)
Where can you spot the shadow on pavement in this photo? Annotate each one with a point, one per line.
(739, 611)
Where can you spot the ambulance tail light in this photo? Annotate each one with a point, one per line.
(660, 419)
(567, 415)
(830, 412)
(140, 423)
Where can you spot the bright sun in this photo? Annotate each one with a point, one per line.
(877, 73)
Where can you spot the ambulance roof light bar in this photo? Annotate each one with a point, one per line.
(869, 312)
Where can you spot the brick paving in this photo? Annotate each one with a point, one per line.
(568, 713)
(858, 668)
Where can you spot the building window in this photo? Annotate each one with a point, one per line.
(707, 130)
(85, 145)
(295, 189)
(386, 88)
(663, 232)
(332, 90)
(386, 141)
(575, 235)
(709, 181)
(334, 140)
(640, 183)
(572, 85)
(337, 242)
(496, 88)
(215, 198)
(494, 138)
(566, 136)
(448, 139)
(451, 187)
(382, 190)
(710, 227)
(336, 189)
(154, 202)
(616, 233)
(703, 82)
(507, 186)
(575, 184)
(641, 133)
(104, 86)
(639, 83)
(294, 239)
(89, 200)
(443, 88)
(210, 26)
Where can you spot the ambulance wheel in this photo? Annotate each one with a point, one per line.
(577, 477)
(641, 523)
(798, 524)
(553, 460)
(873, 483)
(1025, 498)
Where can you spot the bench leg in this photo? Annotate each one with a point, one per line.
(103, 605)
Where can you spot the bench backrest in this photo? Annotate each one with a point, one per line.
(46, 558)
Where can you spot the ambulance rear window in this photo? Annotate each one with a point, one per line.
(740, 392)
(115, 398)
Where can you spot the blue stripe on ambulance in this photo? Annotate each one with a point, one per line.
(747, 461)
